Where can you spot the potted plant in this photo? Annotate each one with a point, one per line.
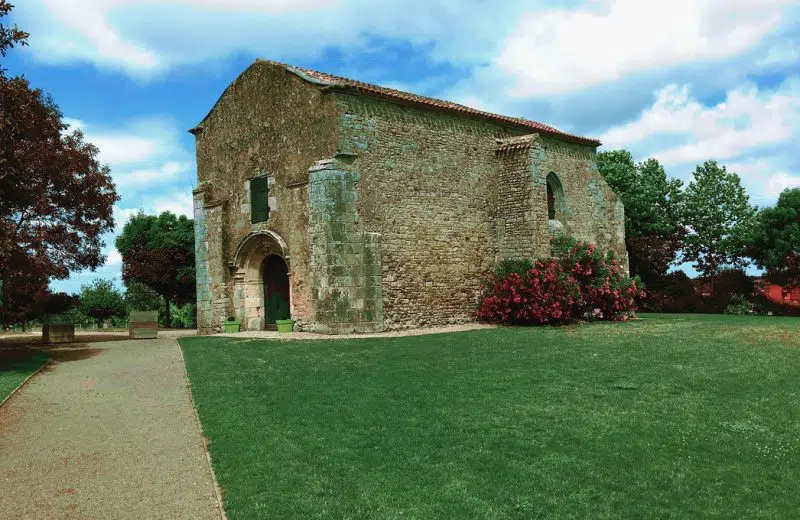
(285, 325)
(231, 325)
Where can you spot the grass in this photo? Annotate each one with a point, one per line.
(672, 416)
(16, 364)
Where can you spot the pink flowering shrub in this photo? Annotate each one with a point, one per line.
(544, 294)
(607, 292)
(579, 282)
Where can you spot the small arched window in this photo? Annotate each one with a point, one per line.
(555, 198)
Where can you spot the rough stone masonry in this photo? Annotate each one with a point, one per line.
(355, 208)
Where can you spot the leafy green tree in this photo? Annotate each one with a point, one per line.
(718, 214)
(653, 230)
(140, 297)
(158, 251)
(774, 242)
(77, 313)
(101, 300)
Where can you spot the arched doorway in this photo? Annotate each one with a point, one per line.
(275, 277)
(250, 262)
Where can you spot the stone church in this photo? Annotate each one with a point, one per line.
(352, 207)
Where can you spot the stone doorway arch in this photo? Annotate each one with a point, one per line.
(249, 262)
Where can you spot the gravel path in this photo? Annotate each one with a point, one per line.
(107, 431)
(266, 334)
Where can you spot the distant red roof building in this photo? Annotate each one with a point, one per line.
(782, 295)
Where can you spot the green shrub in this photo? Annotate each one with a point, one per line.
(183, 316)
(506, 267)
(740, 305)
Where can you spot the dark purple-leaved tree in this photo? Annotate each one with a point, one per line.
(56, 198)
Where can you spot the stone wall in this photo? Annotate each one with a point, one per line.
(520, 227)
(592, 211)
(345, 261)
(399, 228)
(268, 122)
(428, 186)
(449, 201)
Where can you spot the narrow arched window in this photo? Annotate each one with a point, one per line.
(555, 198)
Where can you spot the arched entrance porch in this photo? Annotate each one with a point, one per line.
(261, 277)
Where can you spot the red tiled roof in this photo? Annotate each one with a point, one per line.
(331, 81)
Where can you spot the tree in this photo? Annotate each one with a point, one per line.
(20, 297)
(101, 300)
(9, 36)
(718, 213)
(158, 251)
(56, 199)
(653, 233)
(774, 242)
(58, 303)
(139, 297)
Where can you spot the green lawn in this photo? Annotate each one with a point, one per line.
(15, 365)
(672, 416)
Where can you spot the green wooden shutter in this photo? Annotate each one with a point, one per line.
(259, 200)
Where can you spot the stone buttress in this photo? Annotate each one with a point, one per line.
(345, 263)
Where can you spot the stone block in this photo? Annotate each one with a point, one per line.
(58, 333)
(143, 325)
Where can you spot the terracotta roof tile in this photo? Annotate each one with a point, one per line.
(332, 81)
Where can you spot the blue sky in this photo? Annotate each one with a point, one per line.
(680, 80)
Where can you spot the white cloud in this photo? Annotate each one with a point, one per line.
(121, 217)
(147, 37)
(754, 132)
(83, 30)
(134, 143)
(528, 45)
(166, 172)
(99, 40)
(780, 54)
(780, 181)
(560, 50)
(180, 203)
(113, 257)
(746, 120)
(267, 6)
(765, 177)
(143, 154)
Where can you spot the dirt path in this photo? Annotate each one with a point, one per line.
(105, 432)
